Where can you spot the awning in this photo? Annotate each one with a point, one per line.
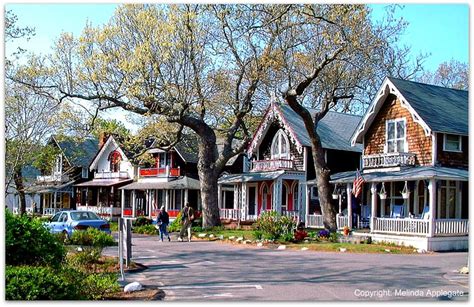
(250, 177)
(413, 173)
(103, 182)
(181, 183)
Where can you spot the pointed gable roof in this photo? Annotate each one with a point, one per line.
(110, 142)
(435, 108)
(335, 129)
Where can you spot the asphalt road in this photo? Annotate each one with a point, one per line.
(205, 271)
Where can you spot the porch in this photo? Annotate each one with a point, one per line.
(416, 206)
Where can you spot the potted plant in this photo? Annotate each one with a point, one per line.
(405, 193)
(383, 193)
(346, 230)
(335, 194)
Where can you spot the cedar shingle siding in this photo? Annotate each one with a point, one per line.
(453, 159)
(418, 142)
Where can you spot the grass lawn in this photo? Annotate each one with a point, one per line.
(321, 246)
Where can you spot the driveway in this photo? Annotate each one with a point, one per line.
(204, 271)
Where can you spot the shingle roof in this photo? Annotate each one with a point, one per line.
(79, 153)
(443, 109)
(335, 129)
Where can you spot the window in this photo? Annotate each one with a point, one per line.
(396, 136)
(58, 164)
(115, 158)
(452, 143)
(280, 146)
(84, 173)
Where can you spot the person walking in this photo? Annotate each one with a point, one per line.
(187, 217)
(163, 219)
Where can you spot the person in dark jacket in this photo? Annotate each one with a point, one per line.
(187, 217)
(163, 219)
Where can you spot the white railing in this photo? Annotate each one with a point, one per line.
(51, 211)
(52, 178)
(271, 165)
(342, 221)
(451, 227)
(103, 212)
(111, 175)
(229, 214)
(401, 226)
(315, 221)
(291, 213)
(389, 160)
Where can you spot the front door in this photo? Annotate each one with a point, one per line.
(252, 199)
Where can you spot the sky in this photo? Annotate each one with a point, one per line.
(441, 30)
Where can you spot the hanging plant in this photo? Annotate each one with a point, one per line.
(405, 192)
(383, 193)
(335, 193)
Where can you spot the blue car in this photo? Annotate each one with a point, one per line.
(66, 222)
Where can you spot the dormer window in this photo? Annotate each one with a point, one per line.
(280, 146)
(396, 136)
(452, 143)
(115, 158)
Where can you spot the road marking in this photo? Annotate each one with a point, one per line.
(219, 295)
(258, 287)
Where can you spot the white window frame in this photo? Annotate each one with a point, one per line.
(444, 143)
(280, 136)
(395, 121)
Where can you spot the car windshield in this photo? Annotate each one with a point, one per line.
(83, 216)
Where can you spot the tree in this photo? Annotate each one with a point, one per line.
(452, 74)
(196, 66)
(329, 61)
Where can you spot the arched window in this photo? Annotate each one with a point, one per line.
(115, 157)
(280, 146)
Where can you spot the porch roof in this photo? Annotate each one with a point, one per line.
(181, 183)
(414, 173)
(102, 182)
(34, 189)
(254, 176)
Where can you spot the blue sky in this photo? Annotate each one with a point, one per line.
(439, 29)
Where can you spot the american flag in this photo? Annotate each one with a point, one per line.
(358, 184)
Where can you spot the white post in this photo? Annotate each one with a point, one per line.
(277, 187)
(219, 196)
(167, 199)
(244, 202)
(373, 208)
(44, 203)
(349, 205)
(122, 202)
(307, 193)
(432, 212)
(133, 203)
(54, 201)
(186, 195)
(148, 203)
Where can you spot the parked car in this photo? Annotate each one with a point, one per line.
(66, 222)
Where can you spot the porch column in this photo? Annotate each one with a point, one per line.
(432, 212)
(373, 208)
(458, 209)
(87, 198)
(277, 187)
(307, 194)
(122, 202)
(148, 202)
(219, 196)
(133, 203)
(44, 203)
(186, 193)
(167, 199)
(349, 205)
(301, 200)
(243, 208)
(54, 201)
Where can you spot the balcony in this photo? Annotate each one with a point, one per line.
(389, 160)
(272, 165)
(111, 175)
(160, 172)
(56, 178)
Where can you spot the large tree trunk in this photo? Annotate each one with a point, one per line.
(18, 179)
(324, 187)
(208, 176)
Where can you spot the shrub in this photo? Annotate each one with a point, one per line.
(176, 224)
(323, 234)
(38, 283)
(28, 242)
(146, 229)
(300, 235)
(334, 237)
(274, 226)
(141, 221)
(312, 234)
(86, 256)
(92, 237)
(98, 286)
(113, 226)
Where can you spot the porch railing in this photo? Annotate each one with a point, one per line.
(52, 178)
(389, 160)
(160, 172)
(291, 213)
(104, 212)
(451, 227)
(229, 214)
(111, 175)
(401, 226)
(341, 221)
(51, 211)
(314, 221)
(271, 165)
